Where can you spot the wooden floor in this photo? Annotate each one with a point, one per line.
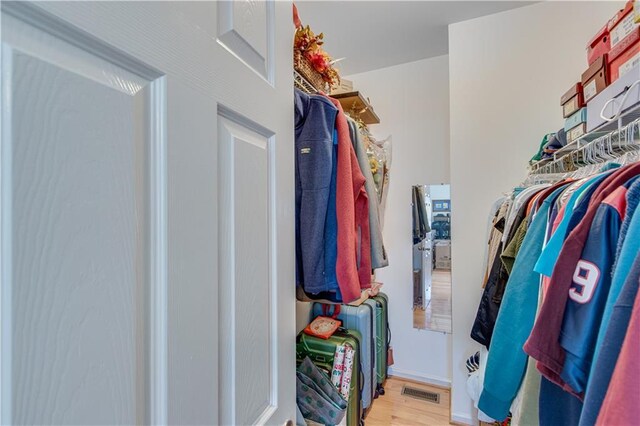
(437, 315)
(393, 408)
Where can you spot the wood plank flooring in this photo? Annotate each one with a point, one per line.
(393, 408)
(437, 315)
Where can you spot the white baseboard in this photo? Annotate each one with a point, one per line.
(459, 418)
(412, 375)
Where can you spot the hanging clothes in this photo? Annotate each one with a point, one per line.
(420, 216)
(611, 347)
(333, 233)
(506, 367)
(378, 253)
(620, 406)
(496, 226)
(315, 120)
(564, 340)
(544, 342)
(625, 254)
(353, 266)
(493, 293)
(585, 306)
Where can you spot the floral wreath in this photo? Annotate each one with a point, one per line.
(309, 45)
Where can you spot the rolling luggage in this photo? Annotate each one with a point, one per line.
(362, 319)
(383, 338)
(322, 352)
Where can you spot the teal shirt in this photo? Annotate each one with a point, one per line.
(507, 360)
(547, 260)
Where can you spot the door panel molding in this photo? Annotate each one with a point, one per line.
(75, 52)
(245, 29)
(6, 306)
(38, 18)
(125, 64)
(247, 326)
(158, 249)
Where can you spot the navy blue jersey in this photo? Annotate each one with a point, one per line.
(589, 290)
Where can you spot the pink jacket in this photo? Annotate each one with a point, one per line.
(352, 210)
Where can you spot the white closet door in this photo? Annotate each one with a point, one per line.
(146, 233)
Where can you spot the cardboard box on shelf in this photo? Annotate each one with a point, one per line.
(626, 43)
(595, 79)
(625, 62)
(599, 45)
(572, 100)
(612, 33)
(345, 86)
(622, 53)
(576, 132)
(622, 24)
(579, 117)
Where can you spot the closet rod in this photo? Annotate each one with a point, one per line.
(604, 148)
(632, 114)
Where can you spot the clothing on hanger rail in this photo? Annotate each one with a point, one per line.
(338, 235)
(571, 340)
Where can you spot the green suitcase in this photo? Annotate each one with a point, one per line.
(383, 338)
(322, 351)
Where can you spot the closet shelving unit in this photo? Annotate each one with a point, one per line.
(617, 136)
(352, 102)
(356, 104)
(301, 83)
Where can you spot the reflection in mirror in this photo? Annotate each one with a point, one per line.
(431, 211)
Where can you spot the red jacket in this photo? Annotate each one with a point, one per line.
(352, 210)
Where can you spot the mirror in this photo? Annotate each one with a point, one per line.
(431, 213)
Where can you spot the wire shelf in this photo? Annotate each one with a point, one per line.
(302, 83)
(570, 154)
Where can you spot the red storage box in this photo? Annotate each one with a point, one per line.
(625, 62)
(621, 25)
(625, 44)
(618, 56)
(599, 45)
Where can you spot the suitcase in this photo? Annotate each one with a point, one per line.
(322, 352)
(383, 338)
(362, 319)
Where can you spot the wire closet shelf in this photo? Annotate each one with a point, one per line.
(612, 141)
(303, 84)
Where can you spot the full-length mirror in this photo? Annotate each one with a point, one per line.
(431, 211)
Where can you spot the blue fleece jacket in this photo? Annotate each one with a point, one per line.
(315, 120)
(507, 361)
(611, 345)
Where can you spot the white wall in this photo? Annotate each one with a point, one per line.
(507, 73)
(412, 101)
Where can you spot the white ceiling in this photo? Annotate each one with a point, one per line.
(378, 34)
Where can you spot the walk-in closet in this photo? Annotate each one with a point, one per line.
(320, 213)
